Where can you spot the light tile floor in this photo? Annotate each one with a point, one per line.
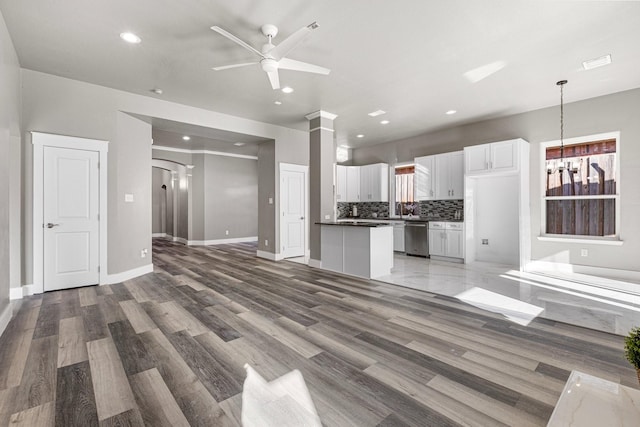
(570, 298)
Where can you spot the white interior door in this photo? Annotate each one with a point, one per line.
(70, 218)
(293, 197)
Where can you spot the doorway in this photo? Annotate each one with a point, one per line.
(69, 220)
(294, 210)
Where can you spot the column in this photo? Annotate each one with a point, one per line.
(322, 155)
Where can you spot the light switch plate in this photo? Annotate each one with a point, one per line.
(128, 197)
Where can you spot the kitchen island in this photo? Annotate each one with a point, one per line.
(363, 249)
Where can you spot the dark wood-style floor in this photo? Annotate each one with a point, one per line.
(168, 349)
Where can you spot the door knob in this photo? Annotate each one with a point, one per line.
(301, 217)
(51, 225)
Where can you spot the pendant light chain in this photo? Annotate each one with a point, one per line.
(561, 83)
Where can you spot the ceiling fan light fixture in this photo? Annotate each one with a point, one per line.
(287, 89)
(130, 37)
(597, 62)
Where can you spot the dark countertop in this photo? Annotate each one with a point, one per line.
(349, 223)
(405, 219)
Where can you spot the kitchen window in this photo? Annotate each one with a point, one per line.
(404, 203)
(581, 194)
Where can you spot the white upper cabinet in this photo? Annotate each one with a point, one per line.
(449, 180)
(424, 178)
(353, 184)
(374, 183)
(494, 157)
(341, 183)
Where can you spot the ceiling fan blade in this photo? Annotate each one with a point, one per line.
(292, 41)
(274, 79)
(235, 39)
(226, 67)
(292, 64)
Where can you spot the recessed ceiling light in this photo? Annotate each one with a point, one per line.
(186, 138)
(360, 136)
(157, 91)
(287, 89)
(450, 112)
(130, 38)
(598, 62)
(277, 102)
(238, 144)
(377, 113)
(384, 122)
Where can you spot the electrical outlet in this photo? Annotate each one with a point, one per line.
(485, 241)
(143, 253)
(270, 200)
(327, 217)
(266, 242)
(584, 252)
(226, 232)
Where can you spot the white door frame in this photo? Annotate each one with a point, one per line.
(39, 141)
(295, 168)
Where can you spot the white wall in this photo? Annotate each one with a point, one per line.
(496, 218)
(615, 112)
(54, 104)
(9, 173)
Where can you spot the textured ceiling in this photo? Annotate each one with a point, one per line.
(415, 59)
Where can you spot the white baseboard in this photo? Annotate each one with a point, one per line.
(21, 291)
(315, 263)
(269, 255)
(222, 241)
(129, 274)
(598, 276)
(158, 235)
(5, 317)
(180, 240)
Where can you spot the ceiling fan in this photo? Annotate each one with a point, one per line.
(273, 57)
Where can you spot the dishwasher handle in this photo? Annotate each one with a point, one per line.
(416, 225)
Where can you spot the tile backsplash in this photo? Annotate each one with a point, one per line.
(444, 209)
(365, 209)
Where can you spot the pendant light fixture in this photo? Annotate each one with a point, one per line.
(561, 165)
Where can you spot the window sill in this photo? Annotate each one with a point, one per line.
(612, 242)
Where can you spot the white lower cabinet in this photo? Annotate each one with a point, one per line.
(446, 239)
(398, 237)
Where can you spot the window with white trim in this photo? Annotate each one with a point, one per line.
(581, 188)
(404, 190)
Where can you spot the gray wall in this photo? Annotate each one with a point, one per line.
(615, 112)
(224, 194)
(9, 178)
(129, 173)
(54, 104)
(267, 190)
(230, 197)
(161, 202)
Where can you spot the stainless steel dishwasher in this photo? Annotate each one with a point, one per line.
(416, 238)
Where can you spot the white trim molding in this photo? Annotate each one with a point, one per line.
(129, 274)
(321, 128)
(269, 255)
(222, 241)
(5, 317)
(39, 141)
(21, 292)
(213, 153)
(315, 263)
(321, 113)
